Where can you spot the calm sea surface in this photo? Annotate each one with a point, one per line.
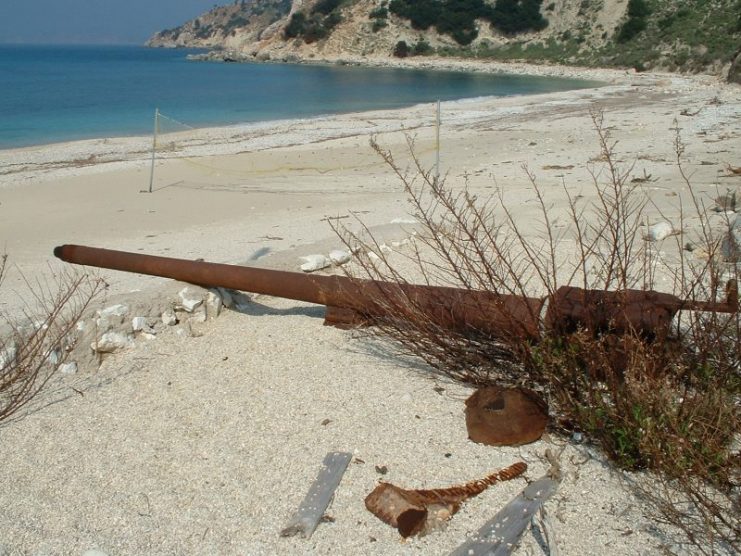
(60, 93)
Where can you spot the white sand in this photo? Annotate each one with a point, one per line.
(207, 445)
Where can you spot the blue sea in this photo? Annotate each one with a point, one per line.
(50, 94)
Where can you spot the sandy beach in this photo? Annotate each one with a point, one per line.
(206, 442)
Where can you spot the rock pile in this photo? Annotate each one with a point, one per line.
(119, 326)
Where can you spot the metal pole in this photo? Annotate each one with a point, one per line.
(154, 146)
(437, 145)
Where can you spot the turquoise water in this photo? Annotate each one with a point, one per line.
(60, 93)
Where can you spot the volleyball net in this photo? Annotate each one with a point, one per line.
(250, 156)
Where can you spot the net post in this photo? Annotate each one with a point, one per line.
(437, 145)
(154, 147)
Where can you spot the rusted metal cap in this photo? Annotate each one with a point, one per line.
(505, 416)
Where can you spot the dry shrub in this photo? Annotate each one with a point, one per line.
(33, 347)
(664, 400)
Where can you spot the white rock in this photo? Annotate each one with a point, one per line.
(227, 300)
(402, 243)
(111, 317)
(403, 221)
(190, 299)
(169, 318)
(8, 354)
(659, 231)
(114, 310)
(730, 247)
(314, 262)
(111, 341)
(199, 315)
(385, 248)
(213, 305)
(139, 324)
(68, 368)
(372, 256)
(338, 257)
(55, 357)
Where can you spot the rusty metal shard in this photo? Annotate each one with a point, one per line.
(415, 512)
(498, 416)
(312, 509)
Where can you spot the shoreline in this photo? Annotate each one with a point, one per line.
(22, 163)
(430, 64)
(605, 76)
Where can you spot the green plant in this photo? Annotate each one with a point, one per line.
(517, 16)
(421, 47)
(317, 25)
(401, 50)
(325, 7)
(380, 12)
(32, 351)
(457, 18)
(638, 11)
(378, 24)
(296, 26)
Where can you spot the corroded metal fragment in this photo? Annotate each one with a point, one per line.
(505, 416)
(415, 512)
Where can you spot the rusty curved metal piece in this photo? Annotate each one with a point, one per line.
(415, 512)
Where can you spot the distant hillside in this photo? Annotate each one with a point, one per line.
(687, 35)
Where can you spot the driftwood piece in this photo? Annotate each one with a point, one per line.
(312, 509)
(505, 416)
(543, 531)
(501, 535)
(415, 512)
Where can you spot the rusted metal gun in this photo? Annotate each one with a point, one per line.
(353, 301)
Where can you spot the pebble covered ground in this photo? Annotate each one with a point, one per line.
(207, 445)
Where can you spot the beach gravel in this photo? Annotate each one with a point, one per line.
(206, 438)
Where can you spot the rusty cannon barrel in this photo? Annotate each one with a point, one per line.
(352, 301)
(349, 301)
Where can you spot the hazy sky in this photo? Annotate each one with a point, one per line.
(93, 21)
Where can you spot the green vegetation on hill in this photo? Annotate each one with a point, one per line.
(638, 11)
(227, 20)
(688, 36)
(691, 36)
(457, 18)
(317, 24)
